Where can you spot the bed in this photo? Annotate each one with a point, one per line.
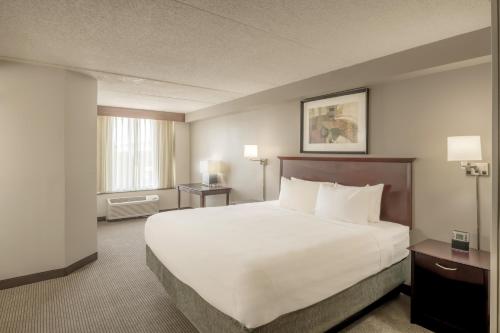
(262, 268)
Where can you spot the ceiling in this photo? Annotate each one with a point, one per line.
(187, 55)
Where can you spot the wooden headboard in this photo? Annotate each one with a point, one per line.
(394, 173)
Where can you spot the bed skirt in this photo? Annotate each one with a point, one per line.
(318, 317)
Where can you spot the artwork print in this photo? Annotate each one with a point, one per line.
(335, 123)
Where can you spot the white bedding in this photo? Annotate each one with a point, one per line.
(256, 262)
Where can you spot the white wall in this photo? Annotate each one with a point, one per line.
(44, 202)
(31, 170)
(408, 118)
(80, 162)
(168, 198)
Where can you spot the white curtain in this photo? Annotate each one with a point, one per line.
(134, 154)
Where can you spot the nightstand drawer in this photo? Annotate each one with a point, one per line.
(449, 290)
(450, 270)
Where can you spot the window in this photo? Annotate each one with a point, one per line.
(134, 154)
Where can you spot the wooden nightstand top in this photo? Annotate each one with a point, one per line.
(442, 250)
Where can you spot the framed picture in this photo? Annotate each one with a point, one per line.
(335, 123)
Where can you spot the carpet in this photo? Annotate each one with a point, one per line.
(118, 293)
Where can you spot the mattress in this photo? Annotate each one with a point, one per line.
(256, 262)
(330, 314)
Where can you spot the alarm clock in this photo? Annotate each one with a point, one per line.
(460, 241)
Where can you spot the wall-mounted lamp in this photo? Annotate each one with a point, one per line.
(210, 171)
(466, 149)
(251, 152)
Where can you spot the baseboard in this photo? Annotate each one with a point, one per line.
(80, 263)
(405, 289)
(47, 275)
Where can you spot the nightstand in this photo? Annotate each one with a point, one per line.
(449, 289)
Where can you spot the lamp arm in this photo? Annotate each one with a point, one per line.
(262, 161)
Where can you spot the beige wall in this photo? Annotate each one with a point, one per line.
(80, 161)
(409, 118)
(168, 198)
(44, 200)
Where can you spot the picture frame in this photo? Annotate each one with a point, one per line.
(335, 123)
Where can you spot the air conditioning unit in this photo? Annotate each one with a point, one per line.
(122, 208)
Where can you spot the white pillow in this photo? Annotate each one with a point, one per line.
(309, 185)
(348, 203)
(376, 201)
(377, 190)
(297, 195)
(309, 188)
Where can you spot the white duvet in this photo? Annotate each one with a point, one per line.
(256, 262)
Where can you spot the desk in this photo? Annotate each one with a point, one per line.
(202, 191)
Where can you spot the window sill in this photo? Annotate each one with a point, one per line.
(135, 191)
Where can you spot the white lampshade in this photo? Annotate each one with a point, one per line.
(464, 148)
(210, 167)
(251, 151)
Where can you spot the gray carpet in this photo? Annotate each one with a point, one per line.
(118, 293)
